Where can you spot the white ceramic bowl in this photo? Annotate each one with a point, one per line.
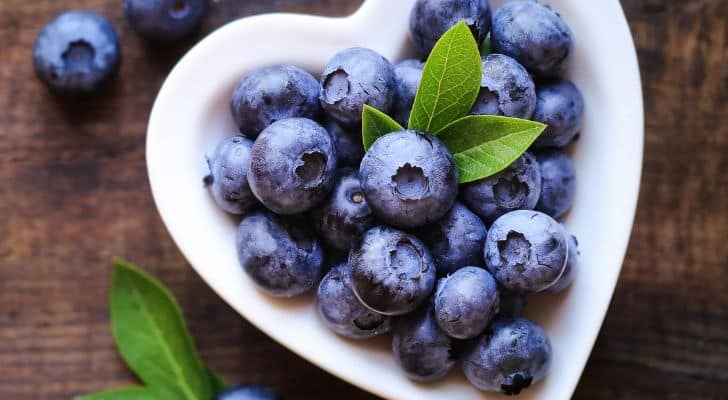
(191, 115)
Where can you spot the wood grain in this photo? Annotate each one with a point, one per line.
(74, 194)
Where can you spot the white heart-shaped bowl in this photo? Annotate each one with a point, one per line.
(191, 114)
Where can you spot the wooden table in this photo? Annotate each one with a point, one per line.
(74, 194)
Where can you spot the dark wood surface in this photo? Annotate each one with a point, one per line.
(74, 194)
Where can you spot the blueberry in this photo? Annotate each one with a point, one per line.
(533, 34)
(228, 178)
(279, 254)
(510, 356)
(409, 178)
(342, 312)
(560, 105)
(516, 187)
(526, 251)
(270, 94)
(347, 143)
(430, 19)
(76, 53)
(455, 240)
(292, 165)
(164, 20)
(355, 77)
(392, 271)
(570, 271)
(420, 347)
(506, 89)
(247, 392)
(558, 182)
(345, 215)
(465, 302)
(408, 74)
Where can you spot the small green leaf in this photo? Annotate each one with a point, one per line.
(375, 124)
(152, 336)
(484, 145)
(485, 47)
(129, 393)
(450, 81)
(218, 382)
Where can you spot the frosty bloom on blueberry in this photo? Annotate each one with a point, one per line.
(465, 302)
(510, 356)
(271, 94)
(526, 251)
(534, 35)
(347, 143)
(280, 255)
(228, 178)
(355, 77)
(420, 347)
(76, 53)
(345, 215)
(571, 268)
(292, 165)
(392, 271)
(409, 178)
(342, 312)
(516, 187)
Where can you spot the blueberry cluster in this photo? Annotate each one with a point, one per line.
(388, 237)
(78, 52)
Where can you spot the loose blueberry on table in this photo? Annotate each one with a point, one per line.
(381, 207)
(165, 20)
(76, 53)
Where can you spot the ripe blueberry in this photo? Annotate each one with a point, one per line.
(455, 240)
(228, 178)
(465, 302)
(342, 312)
(164, 20)
(345, 215)
(420, 347)
(270, 94)
(560, 106)
(409, 178)
(408, 74)
(279, 254)
(430, 19)
(510, 356)
(558, 182)
(292, 165)
(533, 34)
(355, 77)
(76, 53)
(516, 187)
(506, 89)
(392, 271)
(526, 251)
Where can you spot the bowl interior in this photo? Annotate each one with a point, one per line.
(191, 115)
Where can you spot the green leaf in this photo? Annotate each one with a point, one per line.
(129, 393)
(450, 81)
(152, 336)
(374, 124)
(485, 47)
(218, 382)
(484, 145)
